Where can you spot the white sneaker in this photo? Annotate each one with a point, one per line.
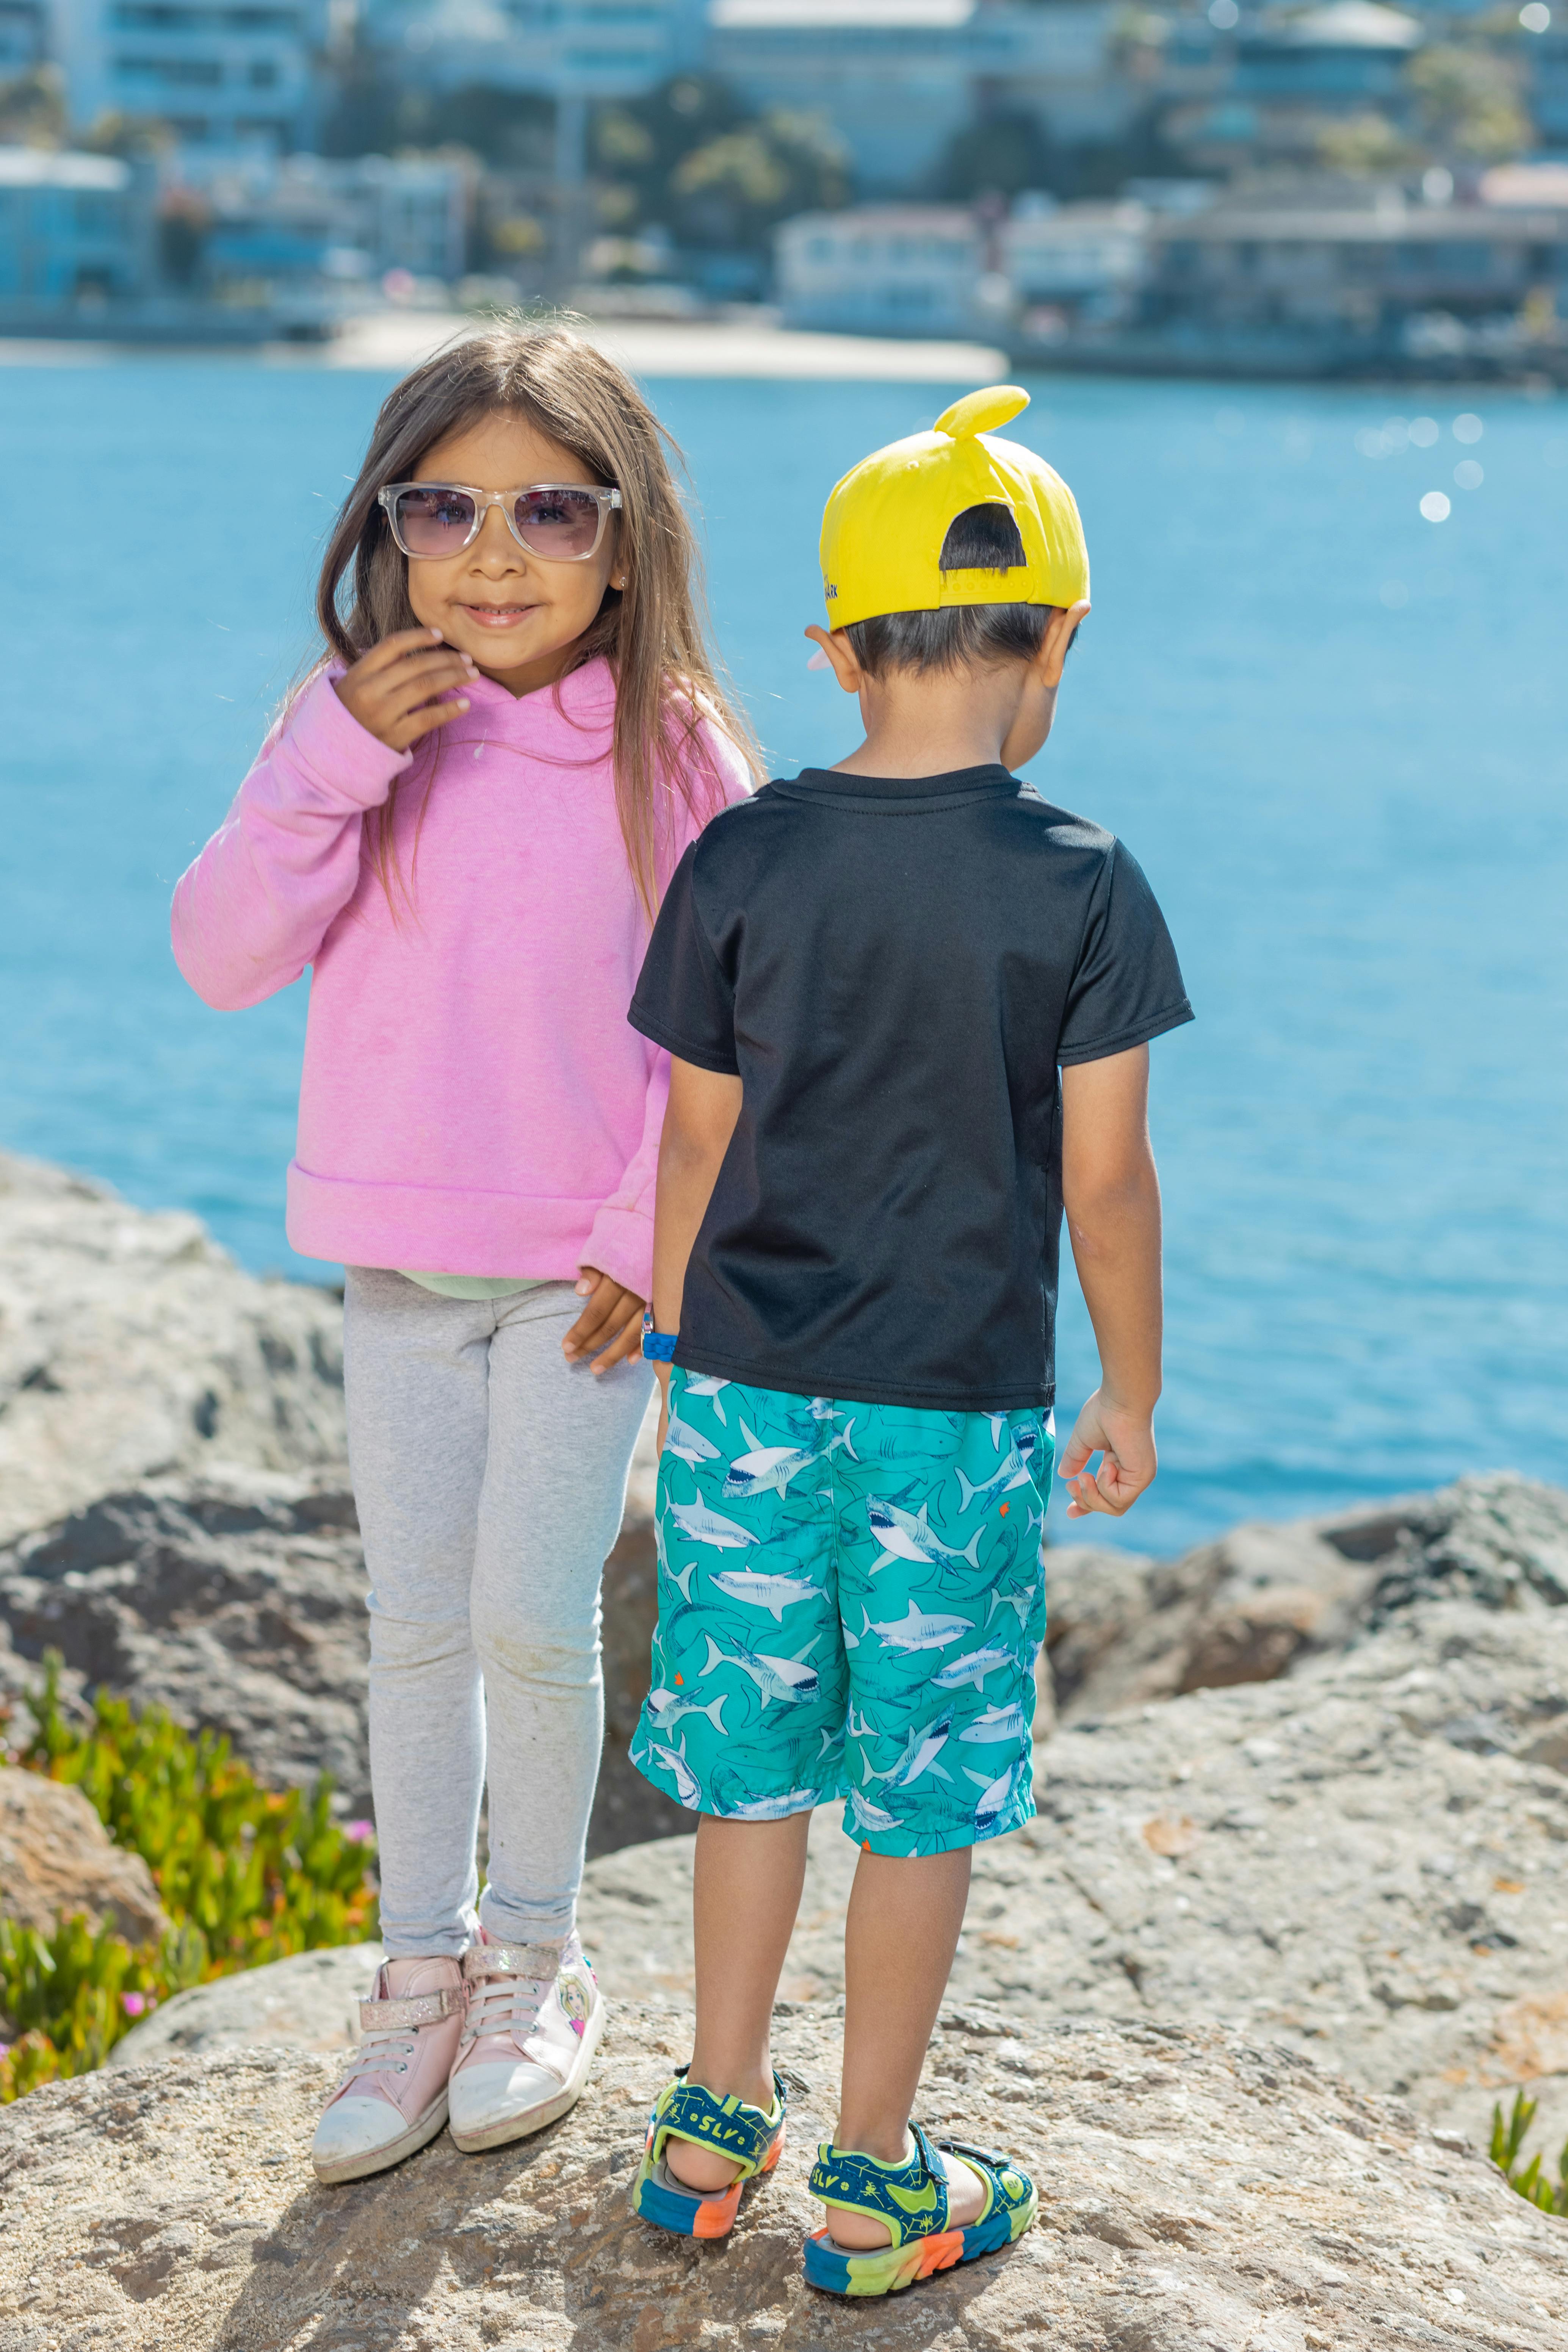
(393, 2095)
(535, 2014)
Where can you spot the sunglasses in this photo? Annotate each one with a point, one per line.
(562, 522)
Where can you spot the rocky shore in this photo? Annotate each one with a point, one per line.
(1293, 1914)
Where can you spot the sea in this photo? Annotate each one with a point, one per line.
(1322, 697)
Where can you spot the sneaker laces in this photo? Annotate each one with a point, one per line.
(508, 1986)
(387, 2051)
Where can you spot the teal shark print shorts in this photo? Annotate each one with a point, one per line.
(851, 1602)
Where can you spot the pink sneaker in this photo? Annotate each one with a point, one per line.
(393, 2096)
(535, 2015)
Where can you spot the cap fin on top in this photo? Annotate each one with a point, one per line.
(981, 411)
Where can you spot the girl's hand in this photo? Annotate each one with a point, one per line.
(609, 1329)
(395, 689)
(1124, 1440)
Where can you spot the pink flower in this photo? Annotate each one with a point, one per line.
(362, 1833)
(133, 2004)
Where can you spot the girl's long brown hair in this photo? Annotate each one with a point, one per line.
(651, 633)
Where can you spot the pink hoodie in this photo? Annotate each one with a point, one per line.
(473, 1100)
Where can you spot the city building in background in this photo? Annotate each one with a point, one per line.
(1261, 185)
(74, 230)
(221, 75)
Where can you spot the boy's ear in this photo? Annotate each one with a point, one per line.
(1055, 645)
(838, 654)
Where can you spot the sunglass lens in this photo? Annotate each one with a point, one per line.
(435, 522)
(559, 523)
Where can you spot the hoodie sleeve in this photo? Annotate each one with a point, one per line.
(252, 910)
(620, 1243)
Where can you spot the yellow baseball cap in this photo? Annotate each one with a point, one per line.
(883, 530)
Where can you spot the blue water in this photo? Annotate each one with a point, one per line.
(1332, 732)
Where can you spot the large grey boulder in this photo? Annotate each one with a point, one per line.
(1367, 1861)
(132, 1345)
(1125, 1629)
(235, 1599)
(1200, 2192)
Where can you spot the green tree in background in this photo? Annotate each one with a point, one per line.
(692, 159)
(1000, 155)
(33, 109)
(1467, 102)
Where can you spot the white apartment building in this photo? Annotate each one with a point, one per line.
(887, 269)
(227, 75)
(584, 50)
(897, 78)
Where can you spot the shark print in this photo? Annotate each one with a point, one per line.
(697, 1386)
(906, 1535)
(850, 1601)
(918, 1628)
(998, 1723)
(701, 1526)
(922, 1749)
(753, 1590)
(763, 1467)
(973, 1668)
(996, 1795)
(773, 1808)
(1012, 1470)
(665, 1707)
(790, 1681)
(688, 1445)
(686, 1791)
(870, 1817)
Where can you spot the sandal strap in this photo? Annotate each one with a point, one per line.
(413, 2009)
(996, 2167)
(540, 1963)
(730, 2127)
(909, 2199)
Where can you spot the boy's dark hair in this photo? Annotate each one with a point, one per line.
(981, 539)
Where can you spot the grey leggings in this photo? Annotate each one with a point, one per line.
(490, 1476)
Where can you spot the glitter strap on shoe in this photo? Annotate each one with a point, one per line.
(414, 2008)
(745, 2135)
(507, 1985)
(911, 2201)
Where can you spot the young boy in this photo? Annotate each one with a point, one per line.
(868, 979)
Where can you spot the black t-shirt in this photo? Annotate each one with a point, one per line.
(895, 969)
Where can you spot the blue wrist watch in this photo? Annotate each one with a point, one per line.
(659, 1346)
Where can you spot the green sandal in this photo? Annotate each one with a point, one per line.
(750, 2138)
(911, 2200)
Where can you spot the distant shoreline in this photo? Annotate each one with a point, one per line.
(388, 343)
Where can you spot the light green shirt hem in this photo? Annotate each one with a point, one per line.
(473, 1286)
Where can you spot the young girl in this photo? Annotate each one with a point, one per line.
(463, 824)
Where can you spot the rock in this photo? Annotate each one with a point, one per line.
(132, 1345)
(236, 1599)
(309, 2002)
(236, 1602)
(1126, 1629)
(1197, 2191)
(1367, 1859)
(57, 1857)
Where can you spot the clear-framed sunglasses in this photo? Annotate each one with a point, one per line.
(562, 523)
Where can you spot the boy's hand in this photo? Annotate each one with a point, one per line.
(1126, 1440)
(661, 1373)
(396, 691)
(609, 1329)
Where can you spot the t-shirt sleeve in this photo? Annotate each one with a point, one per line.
(1127, 986)
(683, 1000)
